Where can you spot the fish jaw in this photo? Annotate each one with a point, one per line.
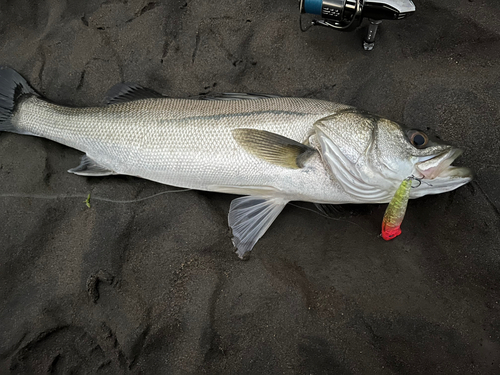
(438, 175)
(432, 167)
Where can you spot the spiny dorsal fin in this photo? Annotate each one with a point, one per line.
(236, 96)
(127, 92)
(273, 148)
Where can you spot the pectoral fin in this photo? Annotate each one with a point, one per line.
(273, 147)
(250, 217)
(89, 167)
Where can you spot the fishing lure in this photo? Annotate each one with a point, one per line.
(395, 212)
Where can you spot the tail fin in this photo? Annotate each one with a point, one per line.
(12, 88)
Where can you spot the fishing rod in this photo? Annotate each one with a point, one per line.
(346, 15)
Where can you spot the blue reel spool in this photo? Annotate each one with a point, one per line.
(338, 14)
(313, 6)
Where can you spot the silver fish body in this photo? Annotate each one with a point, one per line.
(189, 143)
(271, 149)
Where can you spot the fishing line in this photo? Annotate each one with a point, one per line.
(328, 217)
(103, 199)
(92, 197)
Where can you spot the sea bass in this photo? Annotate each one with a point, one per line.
(272, 150)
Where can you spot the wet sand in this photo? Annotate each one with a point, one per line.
(153, 286)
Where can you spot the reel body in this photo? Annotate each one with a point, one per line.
(346, 15)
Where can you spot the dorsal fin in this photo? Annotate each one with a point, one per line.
(127, 92)
(273, 148)
(236, 96)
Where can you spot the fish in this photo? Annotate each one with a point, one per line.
(270, 150)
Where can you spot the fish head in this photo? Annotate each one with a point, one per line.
(370, 156)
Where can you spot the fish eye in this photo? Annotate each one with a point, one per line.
(419, 139)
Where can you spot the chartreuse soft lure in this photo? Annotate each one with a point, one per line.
(395, 212)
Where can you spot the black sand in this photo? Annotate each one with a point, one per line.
(154, 286)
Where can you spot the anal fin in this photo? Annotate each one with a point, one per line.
(250, 217)
(89, 167)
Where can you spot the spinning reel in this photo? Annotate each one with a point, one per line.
(347, 15)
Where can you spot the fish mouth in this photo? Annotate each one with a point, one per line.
(438, 175)
(440, 165)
